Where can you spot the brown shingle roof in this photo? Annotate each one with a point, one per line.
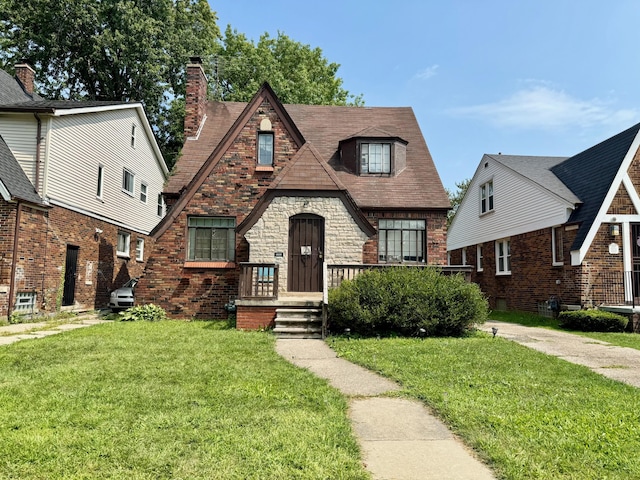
(307, 171)
(417, 186)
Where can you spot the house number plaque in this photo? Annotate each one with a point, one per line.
(305, 250)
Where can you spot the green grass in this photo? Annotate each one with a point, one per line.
(167, 400)
(528, 415)
(631, 340)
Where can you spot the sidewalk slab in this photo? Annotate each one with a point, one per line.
(400, 439)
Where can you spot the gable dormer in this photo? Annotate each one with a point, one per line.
(374, 152)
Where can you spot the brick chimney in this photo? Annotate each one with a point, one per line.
(196, 97)
(26, 75)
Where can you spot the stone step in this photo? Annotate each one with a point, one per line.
(298, 323)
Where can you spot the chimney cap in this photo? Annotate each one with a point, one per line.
(195, 59)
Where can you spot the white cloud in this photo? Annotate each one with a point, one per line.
(427, 73)
(543, 107)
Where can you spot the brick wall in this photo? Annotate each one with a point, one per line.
(232, 190)
(253, 318)
(533, 277)
(42, 248)
(436, 222)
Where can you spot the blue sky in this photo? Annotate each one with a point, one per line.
(520, 77)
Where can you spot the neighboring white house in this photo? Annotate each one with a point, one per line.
(99, 173)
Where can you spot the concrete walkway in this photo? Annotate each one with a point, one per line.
(400, 439)
(24, 331)
(618, 363)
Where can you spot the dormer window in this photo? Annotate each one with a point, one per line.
(265, 148)
(375, 158)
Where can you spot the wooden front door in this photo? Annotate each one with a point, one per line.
(306, 253)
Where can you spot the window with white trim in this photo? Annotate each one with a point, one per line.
(212, 239)
(464, 256)
(265, 148)
(143, 192)
(486, 197)
(375, 158)
(401, 241)
(124, 240)
(133, 135)
(161, 205)
(100, 185)
(479, 258)
(503, 257)
(128, 181)
(140, 249)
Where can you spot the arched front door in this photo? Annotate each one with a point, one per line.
(306, 253)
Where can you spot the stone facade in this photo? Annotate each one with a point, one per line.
(39, 270)
(343, 238)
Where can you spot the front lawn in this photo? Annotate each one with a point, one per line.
(167, 400)
(529, 415)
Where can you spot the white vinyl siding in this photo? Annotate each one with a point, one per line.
(535, 209)
(77, 142)
(19, 133)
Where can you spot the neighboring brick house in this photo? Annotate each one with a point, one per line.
(80, 188)
(266, 193)
(542, 227)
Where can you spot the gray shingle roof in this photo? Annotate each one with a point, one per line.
(12, 92)
(590, 174)
(14, 178)
(538, 170)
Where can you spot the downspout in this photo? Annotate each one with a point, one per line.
(38, 144)
(14, 260)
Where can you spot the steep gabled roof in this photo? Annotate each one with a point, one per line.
(590, 175)
(16, 184)
(307, 171)
(325, 126)
(538, 170)
(197, 178)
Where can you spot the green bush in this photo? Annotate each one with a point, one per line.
(149, 313)
(403, 300)
(593, 321)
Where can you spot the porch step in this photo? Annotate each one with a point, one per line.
(298, 323)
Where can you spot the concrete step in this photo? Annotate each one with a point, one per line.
(298, 323)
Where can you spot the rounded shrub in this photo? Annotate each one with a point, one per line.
(404, 300)
(593, 321)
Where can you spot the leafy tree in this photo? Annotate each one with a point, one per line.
(456, 198)
(296, 72)
(123, 50)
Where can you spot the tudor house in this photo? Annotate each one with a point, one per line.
(535, 228)
(80, 191)
(265, 195)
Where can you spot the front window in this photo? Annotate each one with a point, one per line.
(265, 148)
(556, 246)
(479, 258)
(127, 181)
(375, 158)
(212, 239)
(123, 244)
(401, 241)
(140, 249)
(486, 197)
(503, 257)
